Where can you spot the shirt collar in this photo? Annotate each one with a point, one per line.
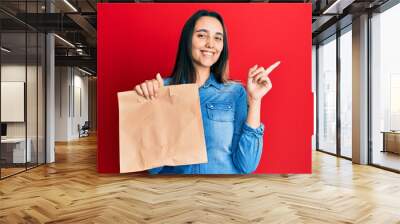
(213, 82)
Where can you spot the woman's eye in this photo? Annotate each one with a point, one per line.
(201, 36)
(218, 38)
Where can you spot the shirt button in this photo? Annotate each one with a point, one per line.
(211, 106)
(229, 107)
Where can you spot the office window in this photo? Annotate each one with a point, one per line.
(385, 88)
(346, 93)
(314, 90)
(327, 95)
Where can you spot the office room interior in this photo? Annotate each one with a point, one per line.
(49, 169)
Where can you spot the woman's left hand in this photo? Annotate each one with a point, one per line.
(258, 82)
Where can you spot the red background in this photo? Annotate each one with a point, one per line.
(135, 41)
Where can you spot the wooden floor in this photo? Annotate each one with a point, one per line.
(71, 191)
(387, 159)
(5, 172)
(8, 171)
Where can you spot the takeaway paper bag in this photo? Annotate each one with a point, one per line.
(167, 130)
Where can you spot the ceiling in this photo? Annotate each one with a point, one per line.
(76, 22)
(72, 20)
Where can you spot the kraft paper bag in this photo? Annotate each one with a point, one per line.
(167, 130)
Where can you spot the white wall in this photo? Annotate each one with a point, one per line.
(71, 93)
(80, 84)
(62, 82)
(16, 72)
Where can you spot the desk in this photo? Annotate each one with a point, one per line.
(15, 148)
(391, 141)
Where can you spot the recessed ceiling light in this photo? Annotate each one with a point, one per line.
(70, 5)
(84, 71)
(64, 40)
(337, 7)
(5, 50)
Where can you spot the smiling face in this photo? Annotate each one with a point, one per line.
(207, 41)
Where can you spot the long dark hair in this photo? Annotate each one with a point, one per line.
(184, 71)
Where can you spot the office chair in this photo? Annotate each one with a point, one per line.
(84, 130)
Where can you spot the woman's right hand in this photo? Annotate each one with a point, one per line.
(149, 88)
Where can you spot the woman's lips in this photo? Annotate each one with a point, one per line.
(207, 53)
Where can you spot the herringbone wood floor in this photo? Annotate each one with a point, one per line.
(71, 191)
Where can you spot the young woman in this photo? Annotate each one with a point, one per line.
(230, 113)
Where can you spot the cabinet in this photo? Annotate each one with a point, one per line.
(391, 141)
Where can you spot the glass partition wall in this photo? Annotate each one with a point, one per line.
(334, 94)
(22, 87)
(385, 89)
(326, 101)
(334, 90)
(345, 65)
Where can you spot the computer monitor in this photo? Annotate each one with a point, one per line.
(3, 129)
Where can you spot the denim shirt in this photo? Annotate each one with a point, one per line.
(233, 147)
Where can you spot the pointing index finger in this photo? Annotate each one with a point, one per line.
(272, 67)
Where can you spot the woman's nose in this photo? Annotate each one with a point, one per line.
(210, 43)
